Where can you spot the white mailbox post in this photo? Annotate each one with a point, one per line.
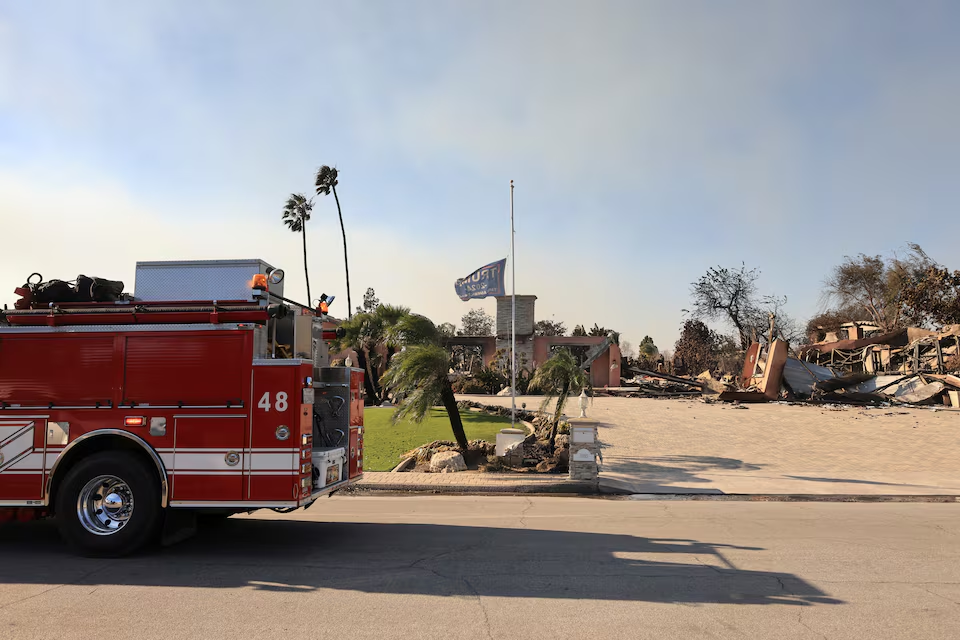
(584, 450)
(508, 438)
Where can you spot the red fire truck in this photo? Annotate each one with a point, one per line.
(205, 391)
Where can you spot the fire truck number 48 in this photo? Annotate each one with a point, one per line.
(280, 404)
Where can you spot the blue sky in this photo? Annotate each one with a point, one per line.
(648, 140)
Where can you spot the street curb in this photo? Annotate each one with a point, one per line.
(570, 488)
(786, 497)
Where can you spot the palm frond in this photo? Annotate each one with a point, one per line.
(391, 313)
(326, 179)
(419, 374)
(412, 329)
(296, 211)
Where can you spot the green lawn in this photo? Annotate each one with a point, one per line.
(384, 443)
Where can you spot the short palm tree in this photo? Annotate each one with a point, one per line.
(557, 378)
(390, 316)
(362, 333)
(296, 213)
(412, 329)
(419, 373)
(368, 334)
(327, 182)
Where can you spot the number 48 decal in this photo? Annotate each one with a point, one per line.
(280, 404)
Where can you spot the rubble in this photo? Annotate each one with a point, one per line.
(769, 376)
(907, 350)
(653, 384)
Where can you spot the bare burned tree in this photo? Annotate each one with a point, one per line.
(909, 288)
(869, 285)
(930, 292)
(728, 295)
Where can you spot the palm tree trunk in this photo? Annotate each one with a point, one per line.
(373, 385)
(561, 400)
(346, 265)
(453, 412)
(391, 351)
(306, 273)
(367, 383)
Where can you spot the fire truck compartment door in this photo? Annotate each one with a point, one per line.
(208, 460)
(21, 460)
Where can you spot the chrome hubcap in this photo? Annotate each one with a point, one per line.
(105, 505)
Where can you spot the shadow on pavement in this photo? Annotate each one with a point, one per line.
(871, 482)
(425, 559)
(666, 471)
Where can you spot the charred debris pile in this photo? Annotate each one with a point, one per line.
(908, 366)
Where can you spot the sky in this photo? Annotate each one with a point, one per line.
(648, 142)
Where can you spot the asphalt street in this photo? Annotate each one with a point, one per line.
(507, 567)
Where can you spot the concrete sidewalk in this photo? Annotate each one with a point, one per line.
(474, 482)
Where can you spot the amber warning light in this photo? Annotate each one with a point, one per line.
(134, 422)
(258, 282)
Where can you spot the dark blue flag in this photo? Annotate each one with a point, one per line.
(485, 281)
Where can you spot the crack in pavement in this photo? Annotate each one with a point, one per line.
(483, 609)
(934, 593)
(523, 514)
(806, 626)
(59, 586)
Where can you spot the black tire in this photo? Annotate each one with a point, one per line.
(140, 482)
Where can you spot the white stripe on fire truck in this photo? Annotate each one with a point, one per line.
(16, 447)
(225, 449)
(200, 461)
(10, 430)
(31, 461)
(191, 460)
(208, 472)
(229, 472)
(264, 461)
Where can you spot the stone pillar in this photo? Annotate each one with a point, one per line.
(525, 322)
(584, 450)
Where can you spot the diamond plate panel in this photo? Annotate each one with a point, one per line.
(199, 280)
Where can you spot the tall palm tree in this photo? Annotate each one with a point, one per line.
(296, 213)
(327, 182)
(420, 374)
(557, 378)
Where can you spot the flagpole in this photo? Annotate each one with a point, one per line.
(513, 320)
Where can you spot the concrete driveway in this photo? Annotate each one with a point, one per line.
(690, 446)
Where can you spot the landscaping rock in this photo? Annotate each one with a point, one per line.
(447, 462)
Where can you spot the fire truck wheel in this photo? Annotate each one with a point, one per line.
(109, 505)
